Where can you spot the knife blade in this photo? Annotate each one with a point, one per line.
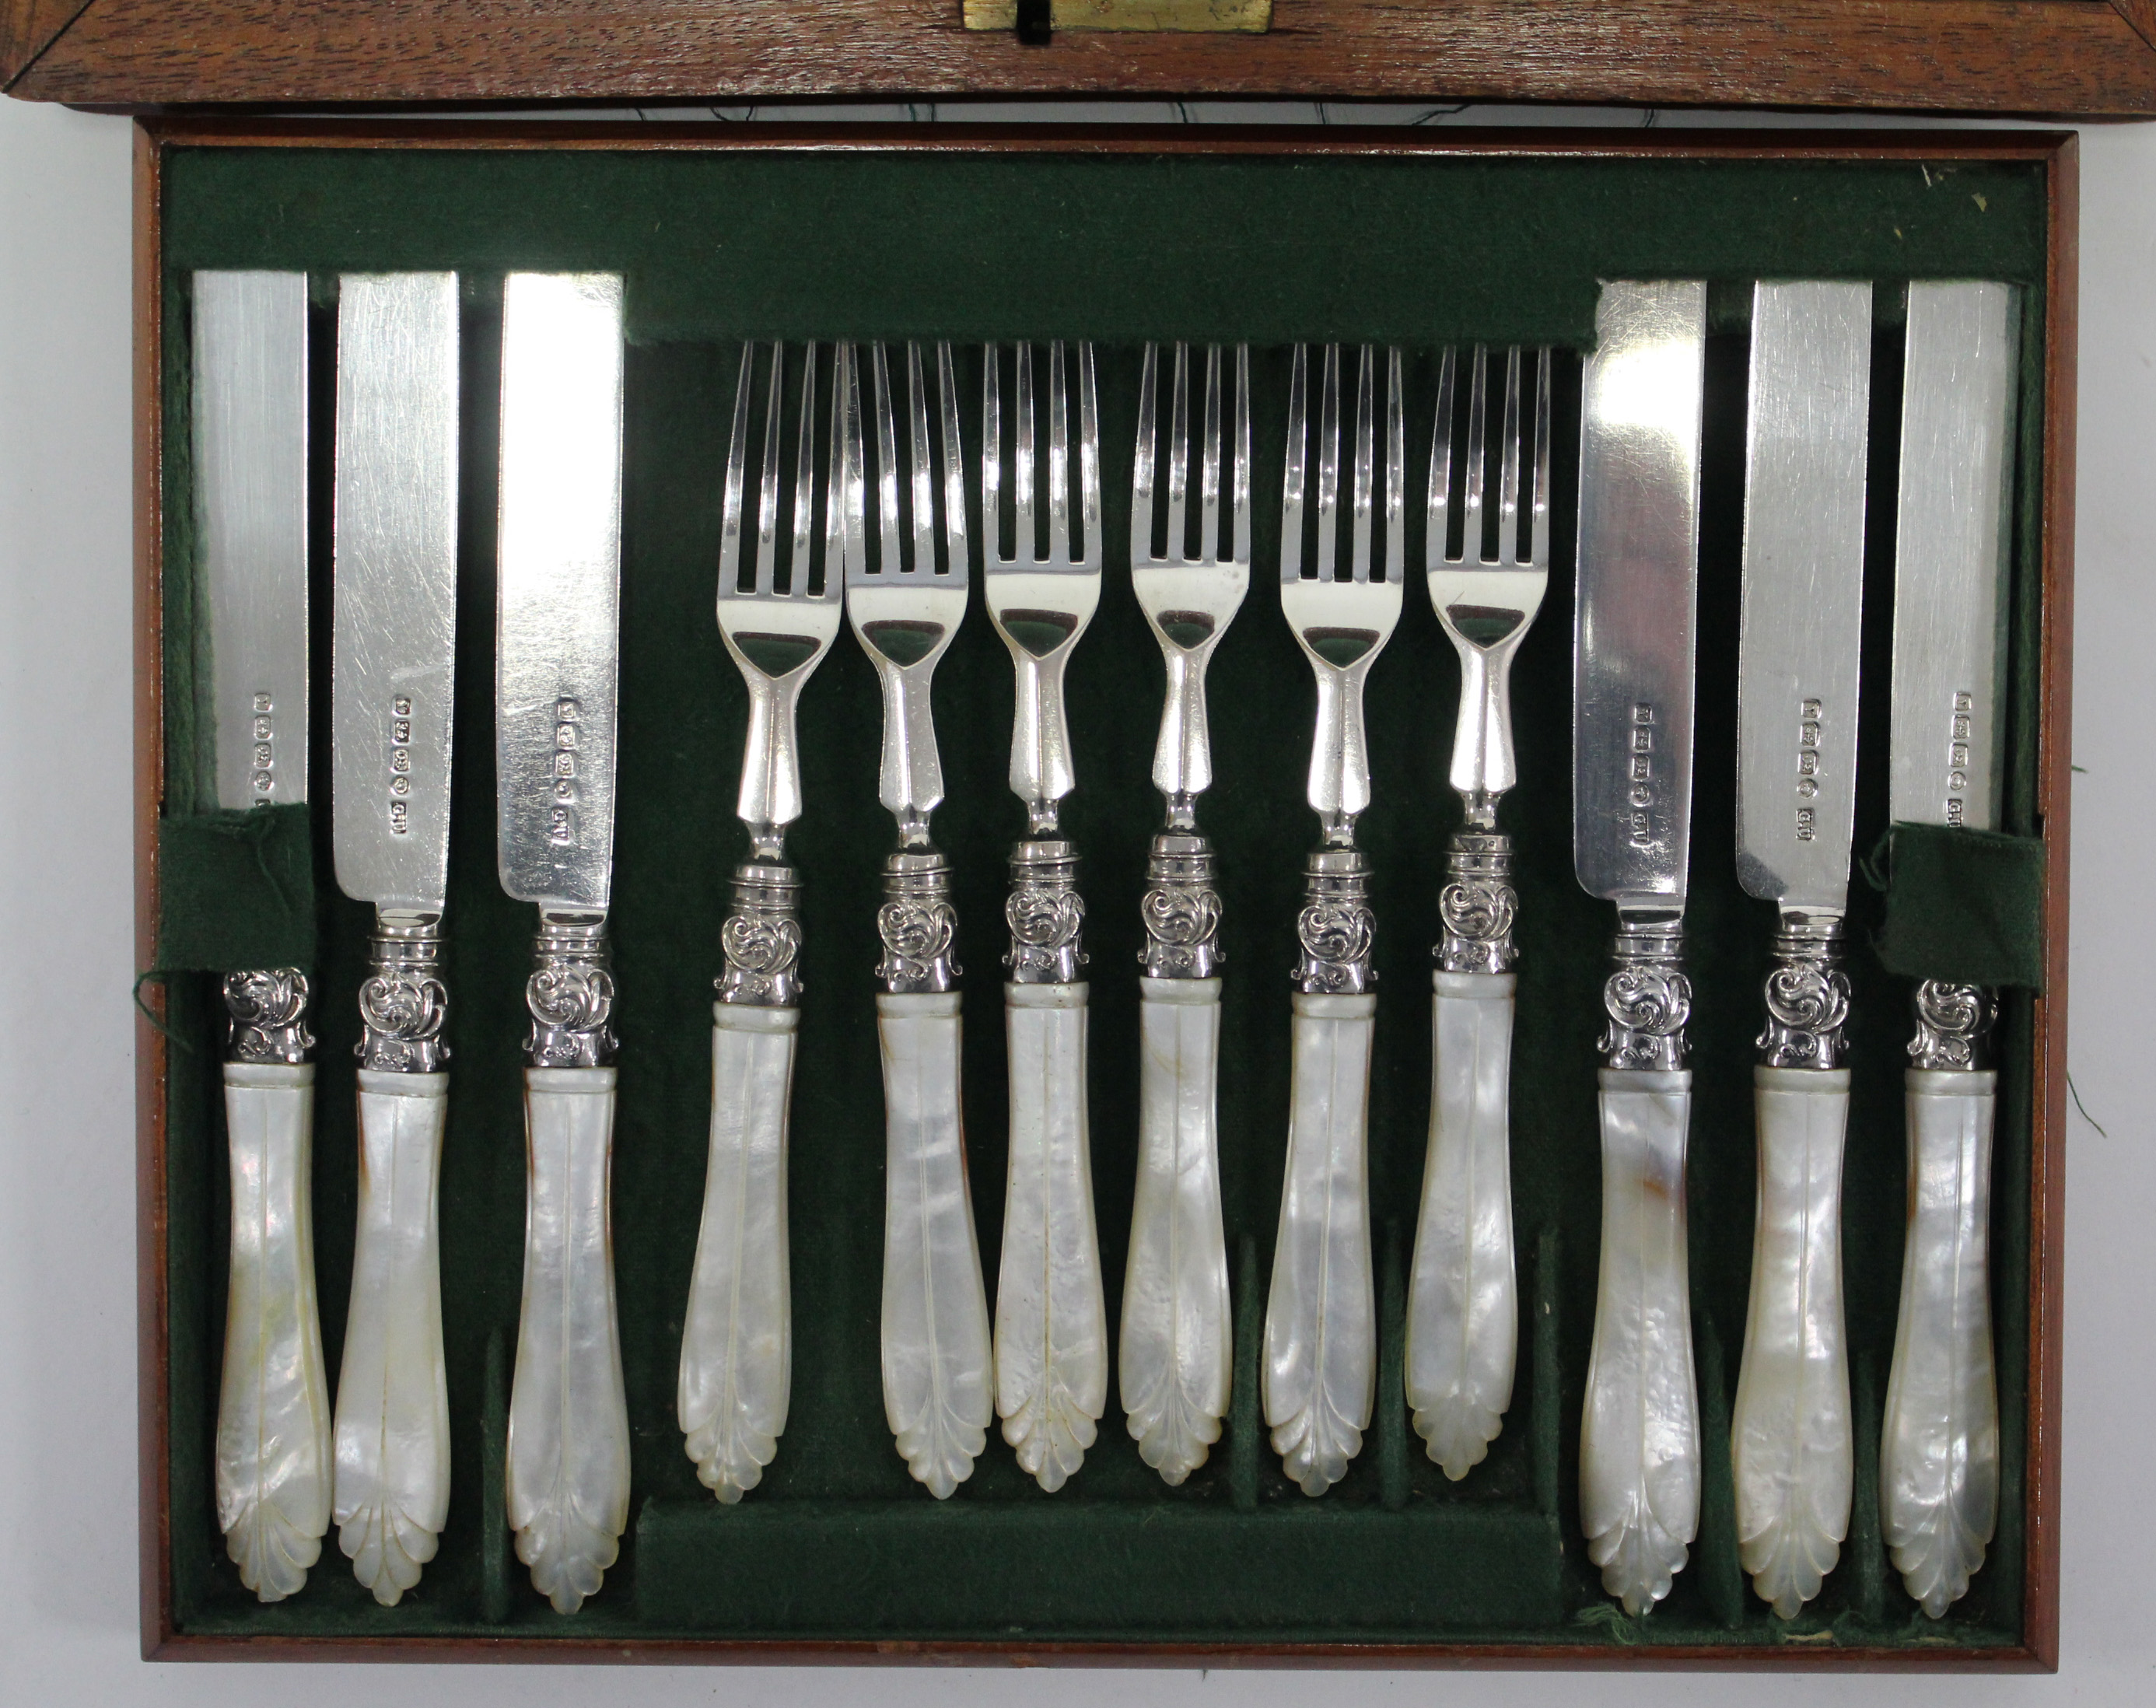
(1632, 743)
(1799, 644)
(1939, 1457)
(392, 675)
(250, 464)
(556, 625)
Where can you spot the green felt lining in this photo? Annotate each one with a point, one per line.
(236, 890)
(1966, 906)
(837, 1540)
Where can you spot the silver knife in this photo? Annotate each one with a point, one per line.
(250, 453)
(394, 637)
(1632, 743)
(1801, 636)
(1939, 1458)
(556, 625)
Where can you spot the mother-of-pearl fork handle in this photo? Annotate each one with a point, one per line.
(392, 1410)
(1938, 1458)
(737, 1338)
(1051, 1318)
(273, 1415)
(1463, 1303)
(1175, 1350)
(937, 1386)
(1639, 1441)
(568, 1475)
(1789, 1435)
(1321, 1369)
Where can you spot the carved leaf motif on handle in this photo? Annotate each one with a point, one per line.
(1336, 938)
(404, 1011)
(916, 935)
(269, 1009)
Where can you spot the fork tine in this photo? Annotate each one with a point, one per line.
(1396, 468)
(1328, 466)
(1439, 518)
(1366, 458)
(1178, 454)
(1238, 467)
(1508, 502)
(1143, 461)
(1058, 459)
(805, 481)
(1028, 545)
(1209, 488)
(1292, 475)
(848, 529)
(729, 506)
(890, 562)
(1471, 539)
(991, 457)
(923, 490)
(1538, 524)
(1088, 459)
(767, 490)
(955, 555)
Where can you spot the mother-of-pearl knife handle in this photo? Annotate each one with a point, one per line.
(1939, 1458)
(1463, 1303)
(1639, 1442)
(273, 1422)
(568, 1474)
(393, 1411)
(1051, 1343)
(1789, 1435)
(937, 1386)
(1321, 1369)
(736, 1339)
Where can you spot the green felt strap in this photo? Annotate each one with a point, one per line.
(236, 891)
(1966, 906)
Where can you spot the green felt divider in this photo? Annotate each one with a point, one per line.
(236, 890)
(718, 246)
(1307, 1573)
(1966, 906)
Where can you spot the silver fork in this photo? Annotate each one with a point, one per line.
(1320, 1371)
(1174, 1350)
(905, 608)
(777, 624)
(1463, 1310)
(1051, 1340)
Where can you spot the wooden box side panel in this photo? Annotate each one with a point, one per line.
(2034, 57)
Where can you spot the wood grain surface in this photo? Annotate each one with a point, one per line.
(2060, 57)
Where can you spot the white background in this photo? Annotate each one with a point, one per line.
(67, 1191)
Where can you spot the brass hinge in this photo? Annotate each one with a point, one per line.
(1180, 17)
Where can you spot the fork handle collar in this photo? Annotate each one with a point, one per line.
(1046, 913)
(1180, 910)
(917, 924)
(1336, 926)
(1478, 905)
(762, 937)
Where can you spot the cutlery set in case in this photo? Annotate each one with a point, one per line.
(1508, 1361)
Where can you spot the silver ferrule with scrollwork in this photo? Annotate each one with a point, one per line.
(571, 993)
(1807, 995)
(1180, 910)
(1478, 903)
(762, 937)
(1954, 1027)
(1647, 997)
(403, 1001)
(1046, 913)
(917, 923)
(1336, 928)
(268, 1011)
